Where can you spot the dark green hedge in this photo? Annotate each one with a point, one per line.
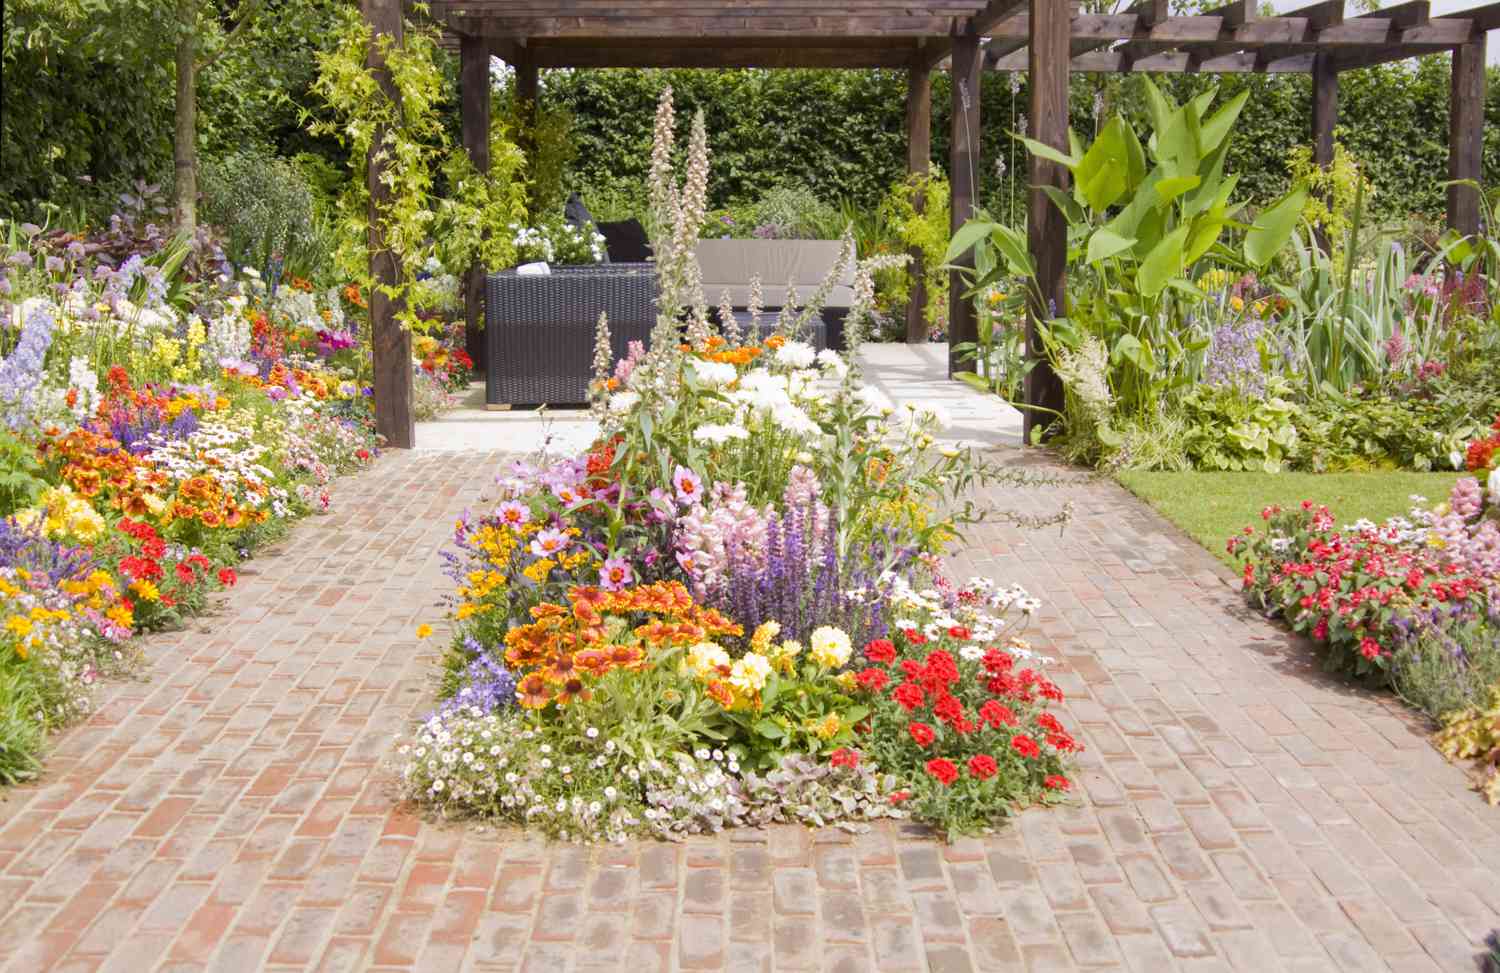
(841, 133)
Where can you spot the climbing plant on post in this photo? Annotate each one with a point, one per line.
(390, 342)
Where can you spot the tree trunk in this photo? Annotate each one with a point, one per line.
(185, 139)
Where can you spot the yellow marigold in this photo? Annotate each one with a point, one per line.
(424, 630)
(765, 632)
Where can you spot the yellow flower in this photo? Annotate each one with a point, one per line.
(18, 624)
(705, 658)
(748, 675)
(424, 630)
(828, 727)
(1238, 303)
(830, 647)
(538, 570)
(145, 589)
(764, 634)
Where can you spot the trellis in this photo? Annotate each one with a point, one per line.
(1047, 38)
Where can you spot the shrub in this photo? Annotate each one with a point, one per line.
(265, 206)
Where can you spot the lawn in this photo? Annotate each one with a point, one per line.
(1211, 506)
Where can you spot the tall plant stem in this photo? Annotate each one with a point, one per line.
(1350, 249)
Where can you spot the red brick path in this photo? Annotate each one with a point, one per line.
(1238, 810)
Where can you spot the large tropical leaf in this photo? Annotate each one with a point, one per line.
(1273, 228)
(966, 236)
(1163, 263)
(1047, 152)
(1216, 128)
(1102, 172)
(1105, 243)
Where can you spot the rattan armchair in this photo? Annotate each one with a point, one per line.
(539, 329)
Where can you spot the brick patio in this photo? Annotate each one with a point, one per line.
(1239, 810)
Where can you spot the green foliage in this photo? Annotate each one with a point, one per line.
(546, 131)
(414, 145)
(1332, 192)
(1474, 734)
(264, 205)
(1231, 431)
(22, 735)
(21, 479)
(926, 231)
(1429, 675)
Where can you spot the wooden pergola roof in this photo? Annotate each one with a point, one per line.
(1049, 39)
(906, 33)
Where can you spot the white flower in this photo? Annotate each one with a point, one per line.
(830, 647)
(798, 354)
(701, 753)
(511, 777)
(1494, 485)
(971, 653)
(611, 793)
(874, 400)
(438, 784)
(565, 769)
(622, 402)
(546, 763)
(714, 373)
(718, 433)
(794, 420)
(832, 361)
(592, 732)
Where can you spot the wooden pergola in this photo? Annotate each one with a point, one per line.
(1047, 38)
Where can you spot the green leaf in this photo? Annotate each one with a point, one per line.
(770, 729)
(1105, 243)
(1047, 152)
(1162, 264)
(967, 235)
(1217, 127)
(1170, 188)
(1274, 227)
(1102, 171)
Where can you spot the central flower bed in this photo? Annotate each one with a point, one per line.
(731, 609)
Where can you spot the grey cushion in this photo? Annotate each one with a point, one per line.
(729, 265)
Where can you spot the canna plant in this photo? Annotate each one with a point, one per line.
(1141, 217)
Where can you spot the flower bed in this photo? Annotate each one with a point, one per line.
(154, 430)
(1413, 602)
(731, 610)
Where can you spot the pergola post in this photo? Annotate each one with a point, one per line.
(527, 78)
(963, 174)
(1046, 228)
(474, 110)
(918, 162)
(1466, 134)
(390, 343)
(1325, 114)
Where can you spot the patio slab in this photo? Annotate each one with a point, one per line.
(905, 373)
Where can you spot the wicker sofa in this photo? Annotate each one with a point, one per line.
(539, 329)
(729, 266)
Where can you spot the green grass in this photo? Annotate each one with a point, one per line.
(1211, 506)
(22, 736)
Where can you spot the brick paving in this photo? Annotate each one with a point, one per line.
(1237, 809)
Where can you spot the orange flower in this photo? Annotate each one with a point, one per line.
(775, 341)
(595, 662)
(720, 692)
(532, 692)
(561, 668)
(572, 689)
(626, 656)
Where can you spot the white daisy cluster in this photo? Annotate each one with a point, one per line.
(989, 614)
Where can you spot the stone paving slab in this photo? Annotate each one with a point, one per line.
(1238, 809)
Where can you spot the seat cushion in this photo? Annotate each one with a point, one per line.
(625, 241)
(729, 265)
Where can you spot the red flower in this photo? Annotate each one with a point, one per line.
(844, 757)
(872, 680)
(362, 453)
(1369, 648)
(1049, 722)
(911, 668)
(1056, 782)
(982, 766)
(184, 573)
(997, 714)
(921, 733)
(898, 797)
(227, 577)
(948, 708)
(943, 771)
(995, 661)
(881, 650)
(958, 632)
(1062, 741)
(1025, 746)
(908, 696)
(914, 637)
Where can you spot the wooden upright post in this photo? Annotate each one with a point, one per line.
(918, 163)
(1325, 114)
(963, 178)
(474, 110)
(390, 343)
(1047, 229)
(1466, 135)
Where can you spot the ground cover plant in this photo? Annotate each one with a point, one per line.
(731, 608)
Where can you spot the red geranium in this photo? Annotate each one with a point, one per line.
(921, 733)
(1056, 782)
(227, 577)
(872, 680)
(1025, 746)
(908, 696)
(982, 766)
(880, 650)
(997, 714)
(943, 770)
(844, 757)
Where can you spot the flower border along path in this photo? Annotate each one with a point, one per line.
(1238, 807)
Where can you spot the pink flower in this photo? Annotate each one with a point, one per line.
(615, 574)
(513, 513)
(689, 485)
(549, 542)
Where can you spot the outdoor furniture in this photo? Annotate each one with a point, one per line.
(815, 333)
(730, 265)
(539, 329)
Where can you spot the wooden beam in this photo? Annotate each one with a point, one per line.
(918, 162)
(390, 343)
(980, 24)
(1046, 227)
(1466, 135)
(763, 55)
(963, 179)
(498, 24)
(1325, 113)
(474, 117)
